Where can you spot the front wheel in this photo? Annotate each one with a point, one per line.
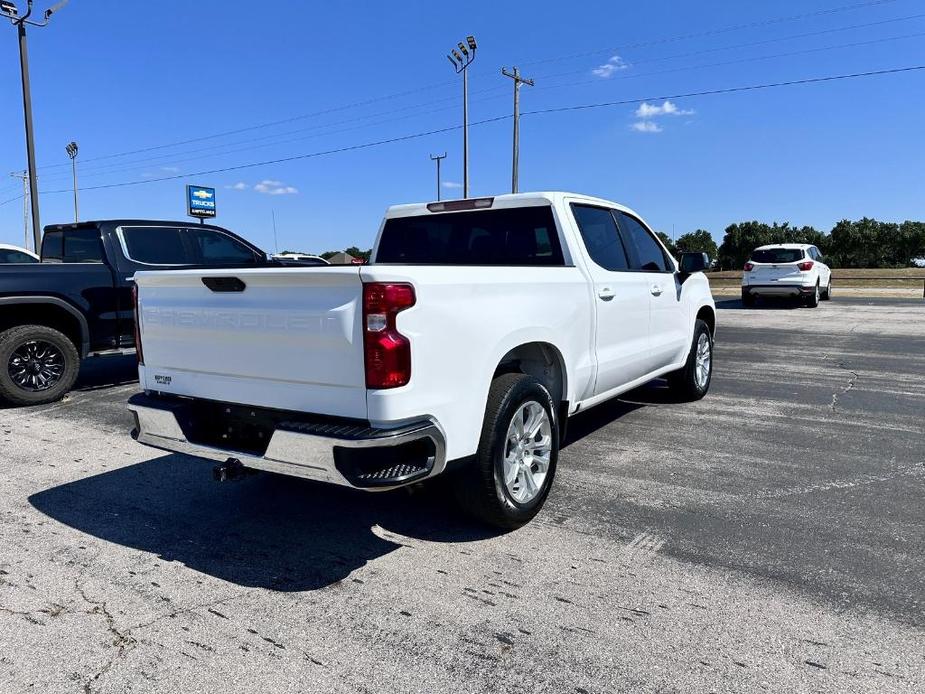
(514, 466)
(693, 381)
(38, 365)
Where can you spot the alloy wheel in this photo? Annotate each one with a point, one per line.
(703, 360)
(527, 452)
(36, 366)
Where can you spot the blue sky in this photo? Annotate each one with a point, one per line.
(124, 76)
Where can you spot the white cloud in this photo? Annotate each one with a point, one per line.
(270, 187)
(611, 66)
(240, 185)
(452, 184)
(647, 110)
(646, 126)
(171, 169)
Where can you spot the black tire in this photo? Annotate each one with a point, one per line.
(827, 292)
(812, 301)
(684, 382)
(17, 338)
(748, 299)
(480, 488)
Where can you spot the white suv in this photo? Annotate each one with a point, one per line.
(792, 270)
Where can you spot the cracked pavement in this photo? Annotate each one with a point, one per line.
(770, 537)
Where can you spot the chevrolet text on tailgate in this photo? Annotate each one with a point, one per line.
(478, 328)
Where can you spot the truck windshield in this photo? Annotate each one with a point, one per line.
(777, 255)
(515, 236)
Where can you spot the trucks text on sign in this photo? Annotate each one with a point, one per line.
(200, 201)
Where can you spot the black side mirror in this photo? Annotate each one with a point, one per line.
(694, 262)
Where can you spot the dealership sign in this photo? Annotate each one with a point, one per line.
(200, 201)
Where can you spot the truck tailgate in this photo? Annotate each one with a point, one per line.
(286, 338)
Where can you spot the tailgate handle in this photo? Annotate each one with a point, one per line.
(224, 284)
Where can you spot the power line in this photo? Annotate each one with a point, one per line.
(713, 32)
(224, 151)
(805, 51)
(647, 43)
(750, 44)
(727, 90)
(560, 109)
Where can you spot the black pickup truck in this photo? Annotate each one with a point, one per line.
(77, 302)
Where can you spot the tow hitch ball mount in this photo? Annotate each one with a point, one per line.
(231, 469)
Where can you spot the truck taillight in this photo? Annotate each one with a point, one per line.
(141, 356)
(387, 352)
(805, 265)
(748, 267)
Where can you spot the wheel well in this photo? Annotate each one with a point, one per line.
(707, 316)
(540, 360)
(49, 315)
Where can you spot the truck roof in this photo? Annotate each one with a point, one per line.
(128, 222)
(505, 201)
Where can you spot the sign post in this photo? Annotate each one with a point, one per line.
(200, 202)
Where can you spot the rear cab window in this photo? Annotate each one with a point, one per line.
(517, 236)
(777, 255)
(72, 246)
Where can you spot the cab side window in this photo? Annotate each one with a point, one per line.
(648, 253)
(601, 237)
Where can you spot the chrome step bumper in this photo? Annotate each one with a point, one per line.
(347, 454)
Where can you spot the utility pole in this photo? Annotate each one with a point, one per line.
(461, 64)
(437, 158)
(71, 150)
(275, 238)
(518, 80)
(8, 10)
(24, 177)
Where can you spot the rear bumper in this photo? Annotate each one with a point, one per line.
(778, 289)
(345, 452)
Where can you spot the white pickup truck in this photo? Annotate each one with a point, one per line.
(478, 328)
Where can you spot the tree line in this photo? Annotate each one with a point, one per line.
(866, 243)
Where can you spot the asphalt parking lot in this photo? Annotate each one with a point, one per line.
(769, 537)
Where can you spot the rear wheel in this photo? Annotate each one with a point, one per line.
(748, 299)
(827, 292)
(38, 365)
(693, 381)
(515, 463)
(812, 301)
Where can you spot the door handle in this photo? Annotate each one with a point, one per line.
(606, 294)
(656, 290)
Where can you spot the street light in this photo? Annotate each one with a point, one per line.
(8, 9)
(460, 64)
(71, 150)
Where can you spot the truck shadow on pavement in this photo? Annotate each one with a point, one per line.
(269, 531)
(264, 530)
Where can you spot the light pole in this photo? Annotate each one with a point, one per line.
(71, 150)
(8, 10)
(438, 158)
(518, 80)
(460, 64)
